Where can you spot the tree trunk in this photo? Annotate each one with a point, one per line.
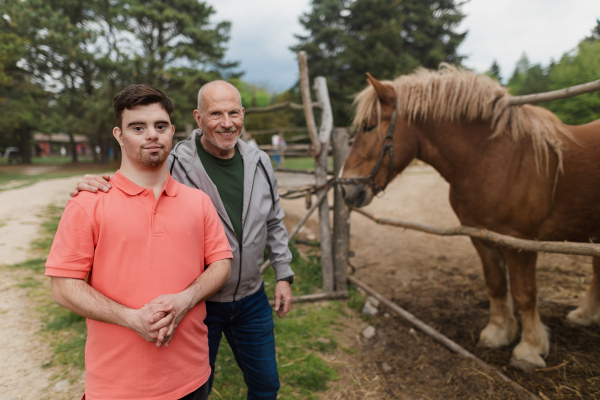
(74, 155)
(25, 145)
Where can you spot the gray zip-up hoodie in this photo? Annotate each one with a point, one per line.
(262, 225)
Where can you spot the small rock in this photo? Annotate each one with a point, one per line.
(62, 386)
(369, 332)
(324, 340)
(386, 367)
(369, 309)
(374, 302)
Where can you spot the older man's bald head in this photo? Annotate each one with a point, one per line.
(215, 85)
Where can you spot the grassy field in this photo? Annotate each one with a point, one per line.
(304, 337)
(20, 175)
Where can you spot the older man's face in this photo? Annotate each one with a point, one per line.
(221, 119)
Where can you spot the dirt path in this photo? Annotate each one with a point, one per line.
(23, 354)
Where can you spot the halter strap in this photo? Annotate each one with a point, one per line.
(388, 146)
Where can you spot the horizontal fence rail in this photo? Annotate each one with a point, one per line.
(583, 249)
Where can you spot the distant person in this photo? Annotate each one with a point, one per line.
(276, 142)
(241, 183)
(251, 142)
(152, 250)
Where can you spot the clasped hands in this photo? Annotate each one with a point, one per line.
(161, 317)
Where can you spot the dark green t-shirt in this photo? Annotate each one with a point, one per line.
(228, 177)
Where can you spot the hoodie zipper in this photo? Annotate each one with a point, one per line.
(240, 268)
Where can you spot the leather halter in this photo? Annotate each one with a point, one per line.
(388, 146)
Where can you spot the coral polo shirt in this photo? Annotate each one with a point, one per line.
(133, 248)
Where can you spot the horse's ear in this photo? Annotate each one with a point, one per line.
(384, 91)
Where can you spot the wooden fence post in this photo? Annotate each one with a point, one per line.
(341, 213)
(321, 167)
(307, 102)
(320, 144)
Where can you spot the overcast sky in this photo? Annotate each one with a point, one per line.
(263, 30)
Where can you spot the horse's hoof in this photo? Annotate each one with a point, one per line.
(578, 317)
(527, 365)
(494, 337)
(528, 358)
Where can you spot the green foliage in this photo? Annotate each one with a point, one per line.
(581, 67)
(83, 52)
(386, 38)
(494, 72)
(578, 66)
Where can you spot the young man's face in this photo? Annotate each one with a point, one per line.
(145, 135)
(221, 119)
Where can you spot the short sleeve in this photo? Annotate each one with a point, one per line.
(72, 252)
(216, 245)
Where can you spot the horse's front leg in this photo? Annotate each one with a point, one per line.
(589, 310)
(535, 343)
(503, 327)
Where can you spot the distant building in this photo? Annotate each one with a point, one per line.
(58, 143)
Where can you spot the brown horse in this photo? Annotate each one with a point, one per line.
(515, 170)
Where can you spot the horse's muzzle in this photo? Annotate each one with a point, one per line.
(357, 195)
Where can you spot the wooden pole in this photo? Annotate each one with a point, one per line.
(321, 163)
(556, 94)
(294, 232)
(583, 249)
(437, 336)
(341, 213)
(307, 102)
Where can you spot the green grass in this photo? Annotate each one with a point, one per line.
(303, 163)
(20, 175)
(301, 337)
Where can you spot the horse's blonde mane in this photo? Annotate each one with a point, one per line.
(452, 94)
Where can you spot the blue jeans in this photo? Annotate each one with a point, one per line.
(248, 327)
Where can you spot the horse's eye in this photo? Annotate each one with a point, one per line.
(368, 128)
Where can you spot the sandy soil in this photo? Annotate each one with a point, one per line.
(23, 354)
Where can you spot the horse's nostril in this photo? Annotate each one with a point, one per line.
(343, 191)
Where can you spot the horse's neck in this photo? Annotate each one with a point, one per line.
(455, 150)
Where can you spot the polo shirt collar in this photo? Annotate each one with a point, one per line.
(127, 186)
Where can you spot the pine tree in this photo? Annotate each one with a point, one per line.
(385, 38)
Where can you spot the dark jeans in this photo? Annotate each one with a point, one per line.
(248, 327)
(199, 394)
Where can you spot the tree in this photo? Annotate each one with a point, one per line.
(172, 34)
(576, 68)
(494, 71)
(386, 38)
(595, 35)
(22, 100)
(84, 51)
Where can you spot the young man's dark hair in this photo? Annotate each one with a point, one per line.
(140, 94)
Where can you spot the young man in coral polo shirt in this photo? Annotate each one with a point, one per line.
(152, 251)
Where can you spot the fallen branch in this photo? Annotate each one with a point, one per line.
(309, 298)
(584, 249)
(437, 336)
